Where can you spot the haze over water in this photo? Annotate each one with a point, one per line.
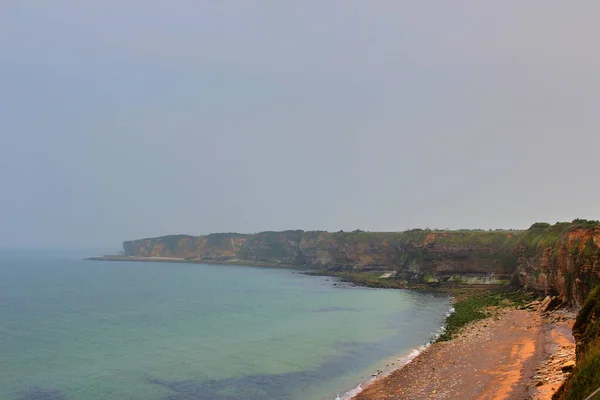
(73, 329)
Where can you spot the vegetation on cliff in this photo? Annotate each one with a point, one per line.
(587, 326)
(586, 375)
(542, 235)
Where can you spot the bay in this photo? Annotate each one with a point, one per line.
(74, 329)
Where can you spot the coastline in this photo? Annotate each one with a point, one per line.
(390, 365)
(510, 340)
(515, 354)
(371, 278)
(387, 367)
(383, 367)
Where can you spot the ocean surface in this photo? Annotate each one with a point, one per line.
(86, 330)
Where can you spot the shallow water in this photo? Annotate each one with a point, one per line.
(74, 329)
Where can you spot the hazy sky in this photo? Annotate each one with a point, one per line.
(134, 118)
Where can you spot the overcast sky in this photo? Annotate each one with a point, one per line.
(122, 119)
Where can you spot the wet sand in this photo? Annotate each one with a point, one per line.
(515, 355)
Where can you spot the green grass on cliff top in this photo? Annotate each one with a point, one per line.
(500, 239)
(541, 234)
(586, 376)
(496, 238)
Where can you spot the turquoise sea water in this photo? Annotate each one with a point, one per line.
(84, 330)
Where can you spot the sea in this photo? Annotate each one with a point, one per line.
(72, 329)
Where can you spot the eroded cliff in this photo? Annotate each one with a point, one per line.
(416, 255)
(561, 259)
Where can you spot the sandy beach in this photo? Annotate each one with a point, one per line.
(515, 355)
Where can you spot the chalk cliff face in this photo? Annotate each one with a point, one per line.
(562, 259)
(416, 255)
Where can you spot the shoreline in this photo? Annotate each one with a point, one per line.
(386, 367)
(356, 278)
(394, 363)
(515, 354)
(402, 360)
(419, 371)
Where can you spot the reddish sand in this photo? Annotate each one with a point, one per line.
(495, 359)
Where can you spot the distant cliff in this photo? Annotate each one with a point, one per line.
(415, 255)
(561, 259)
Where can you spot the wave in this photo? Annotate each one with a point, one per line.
(350, 394)
(402, 362)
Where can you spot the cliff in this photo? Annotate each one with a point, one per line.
(216, 247)
(561, 259)
(564, 260)
(416, 255)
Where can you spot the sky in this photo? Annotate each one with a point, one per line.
(137, 118)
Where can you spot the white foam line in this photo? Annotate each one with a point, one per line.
(403, 362)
